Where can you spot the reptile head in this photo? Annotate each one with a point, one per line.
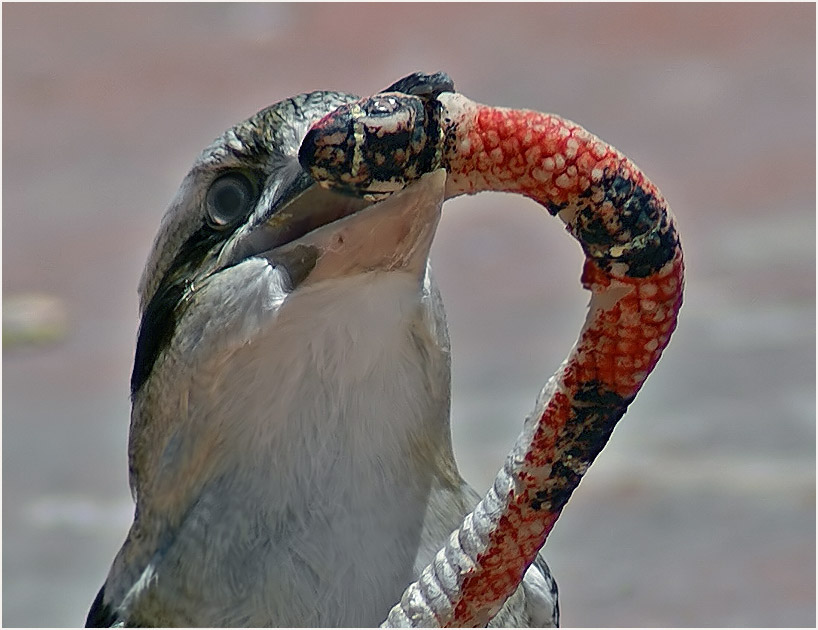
(377, 145)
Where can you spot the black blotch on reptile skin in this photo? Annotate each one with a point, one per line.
(656, 254)
(638, 209)
(591, 229)
(311, 151)
(434, 135)
(581, 440)
(638, 213)
(596, 412)
(619, 187)
(385, 146)
(598, 395)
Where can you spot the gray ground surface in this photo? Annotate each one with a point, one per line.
(701, 511)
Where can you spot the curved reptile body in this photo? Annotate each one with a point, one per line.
(634, 270)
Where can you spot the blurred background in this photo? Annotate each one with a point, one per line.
(701, 510)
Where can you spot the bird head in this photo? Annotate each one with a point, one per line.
(247, 201)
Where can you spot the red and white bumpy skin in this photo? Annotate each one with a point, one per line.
(633, 268)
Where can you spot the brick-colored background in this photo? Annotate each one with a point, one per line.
(701, 509)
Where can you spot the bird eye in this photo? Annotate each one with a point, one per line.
(229, 200)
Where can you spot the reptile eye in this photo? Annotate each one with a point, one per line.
(382, 106)
(229, 200)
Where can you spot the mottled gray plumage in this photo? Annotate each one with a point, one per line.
(290, 450)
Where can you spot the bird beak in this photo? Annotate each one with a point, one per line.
(317, 234)
(297, 205)
(392, 235)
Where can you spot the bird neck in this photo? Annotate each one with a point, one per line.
(343, 389)
(348, 385)
(327, 432)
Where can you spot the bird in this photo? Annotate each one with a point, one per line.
(290, 448)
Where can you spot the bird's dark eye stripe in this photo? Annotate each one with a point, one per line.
(160, 315)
